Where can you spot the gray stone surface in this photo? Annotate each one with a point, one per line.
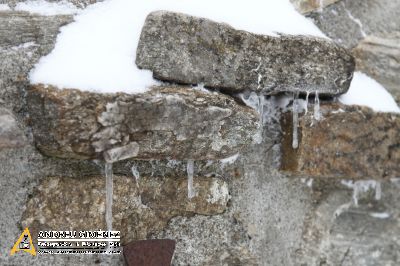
(379, 57)
(191, 50)
(339, 232)
(271, 219)
(163, 123)
(306, 6)
(349, 21)
(24, 38)
(11, 136)
(22, 28)
(77, 3)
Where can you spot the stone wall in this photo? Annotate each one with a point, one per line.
(331, 201)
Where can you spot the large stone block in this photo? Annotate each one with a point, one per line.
(163, 123)
(191, 50)
(139, 209)
(350, 142)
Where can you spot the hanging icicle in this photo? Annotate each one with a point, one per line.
(190, 173)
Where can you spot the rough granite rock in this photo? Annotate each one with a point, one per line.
(11, 136)
(349, 21)
(349, 142)
(24, 38)
(306, 6)
(22, 28)
(58, 203)
(170, 122)
(339, 232)
(191, 50)
(379, 57)
(77, 3)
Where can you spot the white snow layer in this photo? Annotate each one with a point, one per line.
(97, 52)
(45, 8)
(366, 91)
(4, 7)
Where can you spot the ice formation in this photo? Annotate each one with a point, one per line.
(295, 112)
(363, 186)
(109, 194)
(190, 174)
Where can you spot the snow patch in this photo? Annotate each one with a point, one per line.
(230, 160)
(218, 192)
(4, 7)
(367, 92)
(45, 8)
(379, 215)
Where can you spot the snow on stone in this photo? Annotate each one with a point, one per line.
(97, 52)
(45, 8)
(230, 160)
(367, 92)
(380, 215)
(4, 7)
(218, 192)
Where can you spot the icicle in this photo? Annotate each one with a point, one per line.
(261, 102)
(136, 175)
(321, 6)
(307, 96)
(317, 109)
(109, 197)
(190, 173)
(295, 140)
(378, 190)
(256, 102)
(109, 194)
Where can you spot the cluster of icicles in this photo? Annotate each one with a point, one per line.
(270, 108)
(267, 109)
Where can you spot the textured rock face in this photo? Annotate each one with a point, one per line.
(10, 134)
(349, 21)
(59, 204)
(191, 50)
(175, 122)
(24, 38)
(350, 142)
(339, 232)
(379, 57)
(77, 3)
(18, 28)
(306, 6)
